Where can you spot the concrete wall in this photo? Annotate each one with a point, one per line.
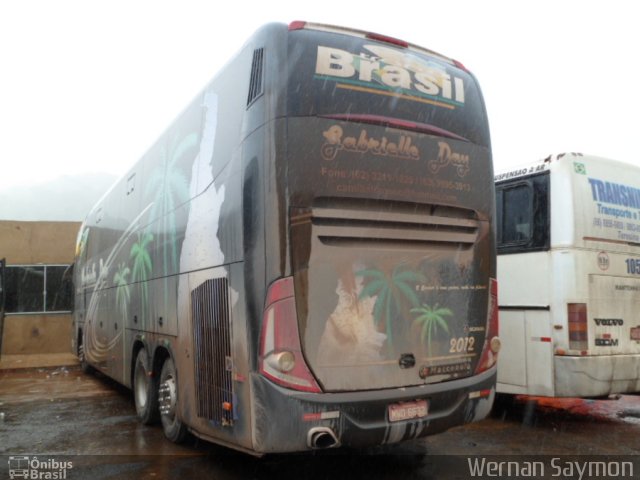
(31, 243)
(28, 334)
(38, 242)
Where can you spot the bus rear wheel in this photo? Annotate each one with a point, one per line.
(174, 429)
(145, 390)
(82, 359)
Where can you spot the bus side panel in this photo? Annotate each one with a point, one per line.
(241, 356)
(213, 371)
(213, 353)
(524, 280)
(115, 332)
(240, 230)
(612, 316)
(525, 364)
(512, 372)
(212, 321)
(540, 372)
(95, 334)
(171, 231)
(613, 359)
(257, 162)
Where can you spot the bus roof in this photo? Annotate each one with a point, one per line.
(548, 163)
(299, 25)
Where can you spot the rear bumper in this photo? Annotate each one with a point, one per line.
(282, 419)
(596, 376)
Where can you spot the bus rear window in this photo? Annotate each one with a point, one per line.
(332, 73)
(522, 208)
(516, 214)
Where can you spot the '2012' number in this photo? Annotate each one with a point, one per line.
(633, 265)
(462, 344)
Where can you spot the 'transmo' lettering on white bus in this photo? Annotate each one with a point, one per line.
(615, 193)
(387, 67)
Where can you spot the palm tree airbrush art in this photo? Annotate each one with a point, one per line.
(123, 294)
(395, 293)
(429, 319)
(169, 187)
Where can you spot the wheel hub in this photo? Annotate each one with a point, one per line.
(167, 397)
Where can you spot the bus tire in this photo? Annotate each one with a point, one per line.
(84, 365)
(145, 389)
(174, 429)
(503, 403)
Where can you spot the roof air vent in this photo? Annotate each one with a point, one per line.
(255, 86)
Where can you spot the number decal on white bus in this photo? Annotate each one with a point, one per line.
(633, 266)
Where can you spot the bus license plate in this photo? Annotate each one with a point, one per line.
(635, 333)
(407, 410)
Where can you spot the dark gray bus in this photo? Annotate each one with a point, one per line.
(306, 257)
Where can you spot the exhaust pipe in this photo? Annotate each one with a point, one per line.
(322, 437)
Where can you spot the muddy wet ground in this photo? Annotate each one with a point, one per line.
(87, 419)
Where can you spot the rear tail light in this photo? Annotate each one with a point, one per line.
(489, 355)
(281, 359)
(297, 25)
(578, 333)
(385, 39)
(460, 66)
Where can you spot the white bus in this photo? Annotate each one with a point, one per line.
(568, 244)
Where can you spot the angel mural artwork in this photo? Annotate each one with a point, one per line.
(350, 334)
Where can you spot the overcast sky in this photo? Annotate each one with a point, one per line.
(87, 86)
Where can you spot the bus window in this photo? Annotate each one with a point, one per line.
(522, 208)
(516, 202)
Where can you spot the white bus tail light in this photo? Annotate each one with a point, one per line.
(578, 332)
(281, 358)
(492, 345)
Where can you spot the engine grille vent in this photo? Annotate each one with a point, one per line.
(429, 226)
(212, 344)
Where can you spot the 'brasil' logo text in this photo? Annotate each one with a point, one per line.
(388, 69)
